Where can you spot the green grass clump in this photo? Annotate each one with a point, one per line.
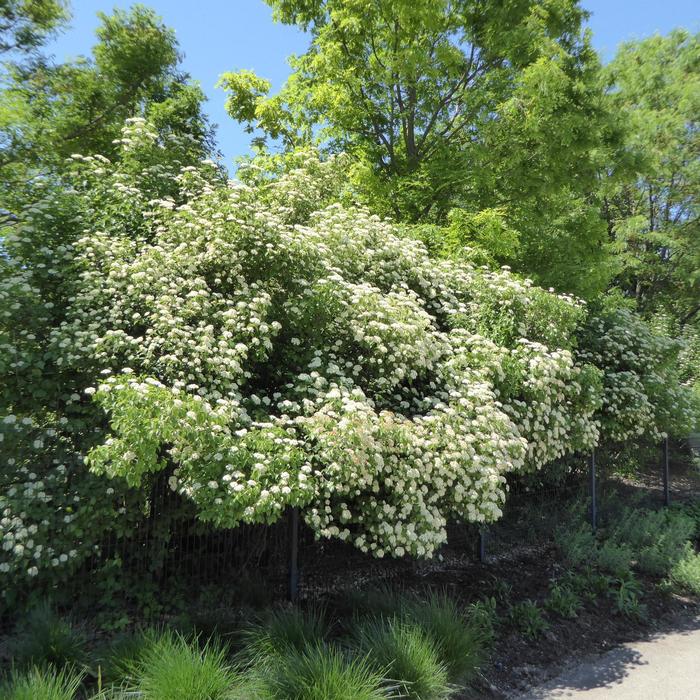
(317, 672)
(118, 661)
(410, 655)
(43, 684)
(44, 638)
(563, 600)
(462, 642)
(527, 618)
(171, 668)
(282, 629)
(686, 572)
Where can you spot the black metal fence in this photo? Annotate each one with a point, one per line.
(288, 562)
(171, 554)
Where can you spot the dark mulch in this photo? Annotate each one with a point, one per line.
(516, 663)
(521, 566)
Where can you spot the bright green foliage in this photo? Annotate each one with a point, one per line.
(317, 673)
(656, 88)
(171, 668)
(26, 24)
(48, 112)
(42, 684)
(686, 572)
(409, 655)
(44, 638)
(687, 336)
(482, 238)
(496, 110)
(462, 642)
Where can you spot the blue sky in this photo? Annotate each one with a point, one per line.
(222, 35)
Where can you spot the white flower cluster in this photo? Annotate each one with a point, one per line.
(270, 347)
(642, 390)
(48, 502)
(327, 362)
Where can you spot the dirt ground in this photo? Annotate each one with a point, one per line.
(517, 664)
(525, 571)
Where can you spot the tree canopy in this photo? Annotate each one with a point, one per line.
(655, 219)
(469, 105)
(50, 111)
(25, 25)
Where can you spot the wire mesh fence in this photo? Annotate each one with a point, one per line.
(293, 563)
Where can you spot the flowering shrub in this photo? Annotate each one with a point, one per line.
(265, 346)
(643, 394)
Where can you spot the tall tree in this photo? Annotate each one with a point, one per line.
(48, 111)
(655, 218)
(486, 106)
(25, 25)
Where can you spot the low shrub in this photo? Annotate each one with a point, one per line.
(615, 558)
(578, 545)
(527, 618)
(685, 573)
(410, 655)
(484, 613)
(657, 538)
(692, 510)
(43, 684)
(563, 601)
(626, 594)
(589, 582)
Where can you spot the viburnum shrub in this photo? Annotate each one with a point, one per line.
(262, 345)
(643, 390)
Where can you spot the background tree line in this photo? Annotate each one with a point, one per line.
(490, 129)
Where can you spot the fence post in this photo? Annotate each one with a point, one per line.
(481, 545)
(667, 492)
(594, 505)
(293, 590)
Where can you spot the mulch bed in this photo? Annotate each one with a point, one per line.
(526, 571)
